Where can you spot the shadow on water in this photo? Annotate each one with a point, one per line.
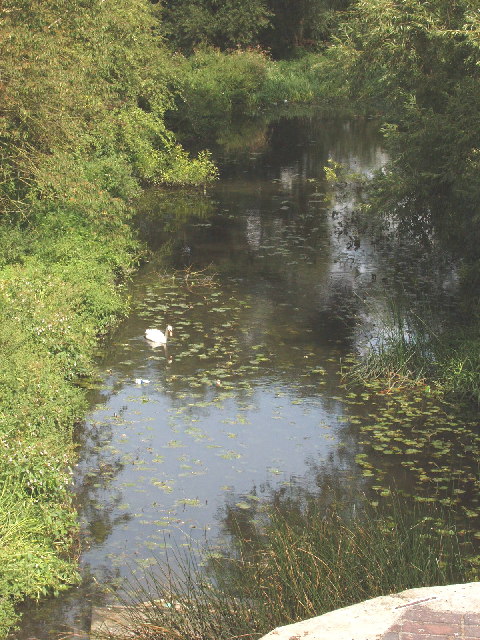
(264, 282)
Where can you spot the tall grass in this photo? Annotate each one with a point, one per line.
(403, 347)
(460, 366)
(309, 79)
(411, 346)
(300, 563)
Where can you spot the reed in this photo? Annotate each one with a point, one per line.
(299, 563)
(411, 347)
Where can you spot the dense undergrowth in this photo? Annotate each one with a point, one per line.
(59, 292)
(55, 300)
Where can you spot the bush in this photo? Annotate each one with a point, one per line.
(217, 86)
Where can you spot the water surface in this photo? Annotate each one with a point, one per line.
(265, 282)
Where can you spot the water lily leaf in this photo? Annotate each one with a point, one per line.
(245, 505)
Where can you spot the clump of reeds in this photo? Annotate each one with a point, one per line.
(300, 563)
(410, 349)
(404, 352)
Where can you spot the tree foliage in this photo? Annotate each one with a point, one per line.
(281, 26)
(418, 64)
(84, 83)
(224, 24)
(299, 24)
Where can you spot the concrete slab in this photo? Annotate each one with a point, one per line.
(390, 617)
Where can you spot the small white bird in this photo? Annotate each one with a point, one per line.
(157, 336)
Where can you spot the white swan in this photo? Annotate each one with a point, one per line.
(157, 336)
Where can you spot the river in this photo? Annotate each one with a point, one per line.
(269, 288)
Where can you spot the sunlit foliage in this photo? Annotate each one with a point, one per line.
(85, 87)
(418, 65)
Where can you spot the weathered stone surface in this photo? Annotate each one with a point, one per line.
(430, 613)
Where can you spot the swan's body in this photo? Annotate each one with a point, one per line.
(157, 336)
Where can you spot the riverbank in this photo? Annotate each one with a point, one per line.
(55, 302)
(438, 612)
(82, 130)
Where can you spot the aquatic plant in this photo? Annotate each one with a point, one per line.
(297, 562)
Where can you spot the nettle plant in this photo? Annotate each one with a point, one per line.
(37, 471)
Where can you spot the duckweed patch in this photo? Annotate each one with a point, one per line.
(431, 439)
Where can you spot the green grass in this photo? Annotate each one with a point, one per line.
(308, 79)
(411, 350)
(459, 368)
(59, 292)
(402, 351)
(298, 563)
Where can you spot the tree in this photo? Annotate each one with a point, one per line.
(418, 63)
(224, 24)
(85, 87)
(280, 26)
(300, 24)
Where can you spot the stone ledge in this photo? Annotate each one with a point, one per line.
(441, 612)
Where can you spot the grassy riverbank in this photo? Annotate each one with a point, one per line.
(56, 298)
(82, 129)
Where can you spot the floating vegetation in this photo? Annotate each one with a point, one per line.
(417, 430)
(216, 352)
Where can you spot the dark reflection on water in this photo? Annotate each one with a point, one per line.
(244, 402)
